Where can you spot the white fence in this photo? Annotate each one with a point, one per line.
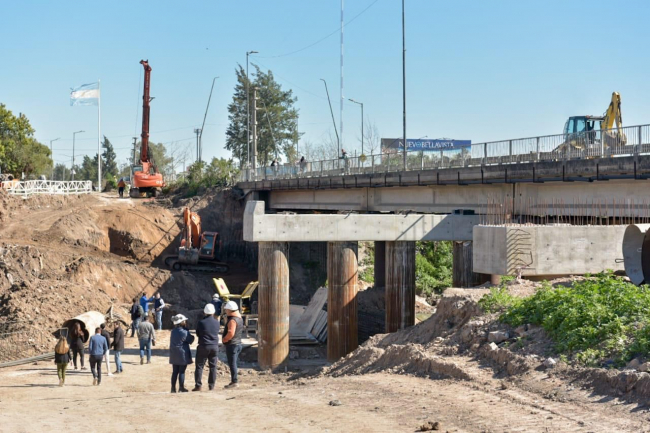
(30, 187)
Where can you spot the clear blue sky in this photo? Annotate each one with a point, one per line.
(475, 70)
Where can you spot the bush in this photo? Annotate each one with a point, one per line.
(433, 262)
(367, 274)
(602, 317)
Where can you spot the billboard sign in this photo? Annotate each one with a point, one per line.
(425, 145)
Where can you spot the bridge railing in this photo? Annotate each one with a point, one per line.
(31, 187)
(631, 140)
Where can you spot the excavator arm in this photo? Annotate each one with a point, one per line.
(613, 113)
(192, 229)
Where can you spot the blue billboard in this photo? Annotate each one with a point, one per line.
(425, 144)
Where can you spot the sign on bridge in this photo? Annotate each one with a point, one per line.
(425, 144)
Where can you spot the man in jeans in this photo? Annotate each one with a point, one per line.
(107, 336)
(232, 340)
(97, 347)
(118, 346)
(208, 332)
(135, 316)
(158, 308)
(147, 337)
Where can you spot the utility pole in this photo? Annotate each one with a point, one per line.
(404, 81)
(52, 154)
(135, 142)
(360, 103)
(248, 111)
(254, 153)
(338, 141)
(206, 115)
(197, 131)
(74, 134)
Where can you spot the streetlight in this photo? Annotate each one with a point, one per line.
(248, 110)
(338, 141)
(360, 103)
(404, 80)
(73, 140)
(52, 154)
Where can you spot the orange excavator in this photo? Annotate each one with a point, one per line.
(199, 251)
(146, 180)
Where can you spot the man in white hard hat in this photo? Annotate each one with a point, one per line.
(232, 339)
(208, 332)
(216, 301)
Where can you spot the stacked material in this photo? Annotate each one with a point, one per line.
(310, 325)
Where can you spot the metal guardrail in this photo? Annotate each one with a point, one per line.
(628, 141)
(30, 187)
(21, 339)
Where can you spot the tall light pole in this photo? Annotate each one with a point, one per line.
(360, 103)
(206, 115)
(404, 81)
(197, 131)
(73, 141)
(248, 111)
(338, 141)
(52, 154)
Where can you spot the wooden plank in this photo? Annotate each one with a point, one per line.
(306, 322)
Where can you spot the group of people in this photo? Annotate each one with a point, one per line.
(180, 355)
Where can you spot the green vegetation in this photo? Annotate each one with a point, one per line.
(433, 262)
(368, 272)
(20, 152)
(601, 318)
(218, 174)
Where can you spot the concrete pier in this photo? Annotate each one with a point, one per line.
(463, 274)
(400, 285)
(380, 264)
(342, 278)
(273, 292)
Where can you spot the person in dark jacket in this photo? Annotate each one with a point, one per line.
(135, 316)
(118, 346)
(208, 332)
(77, 338)
(97, 347)
(62, 358)
(232, 339)
(216, 301)
(180, 355)
(107, 336)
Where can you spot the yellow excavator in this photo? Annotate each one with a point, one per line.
(595, 132)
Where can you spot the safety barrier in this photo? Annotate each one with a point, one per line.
(628, 141)
(30, 187)
(22, 339)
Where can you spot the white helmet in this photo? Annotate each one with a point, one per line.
(231, 305)
(209, 309)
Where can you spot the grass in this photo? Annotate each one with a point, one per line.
(367, 274)
(603, 319)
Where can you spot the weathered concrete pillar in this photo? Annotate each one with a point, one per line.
(380, 264)
(400, 285)
(463, 274)
(273, 304)
(342, 275)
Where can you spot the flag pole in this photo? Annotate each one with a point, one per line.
(99, 137)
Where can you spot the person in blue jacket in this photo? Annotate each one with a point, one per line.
(144, 302)
(97, 348)
(180, 355)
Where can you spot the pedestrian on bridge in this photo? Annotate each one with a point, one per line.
(180, 355)
(208, 332)
(232, 339)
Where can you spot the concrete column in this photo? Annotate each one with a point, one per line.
(273, 304)
(380, 264)
(400, 285)
(463, 274)
(342, 331)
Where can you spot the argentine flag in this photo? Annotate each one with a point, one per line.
(87, 94)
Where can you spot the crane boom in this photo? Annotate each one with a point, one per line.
(144, 142)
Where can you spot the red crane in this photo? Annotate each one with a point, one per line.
(146, 180)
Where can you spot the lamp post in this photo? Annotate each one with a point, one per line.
(73, 141)
(205, 116)
(52, 154)
(338, 141)
(404, 81)
(248, 110)
(360, 103)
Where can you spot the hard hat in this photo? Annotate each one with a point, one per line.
(179, 318)
(209, 309)
(231, 305)
(215, 296)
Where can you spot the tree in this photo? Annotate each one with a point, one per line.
(61, 172)
(433, 263)
(20, 152)
(277, 128)
(88, 169)
(372, 139)
(109, 165)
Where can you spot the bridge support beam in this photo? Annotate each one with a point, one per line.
(273, 292)
(342, 276)
(400, 285)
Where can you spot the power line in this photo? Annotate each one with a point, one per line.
(321, 39)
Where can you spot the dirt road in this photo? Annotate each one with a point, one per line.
(139, 400)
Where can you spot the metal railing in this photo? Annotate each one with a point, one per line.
(21, 340)
(628, 141)
(30, 187)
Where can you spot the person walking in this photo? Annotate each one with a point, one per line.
(118, 346)
(147, 338)
(97, 347)
(107, 336)
(144, 303)
(120, 187)
(180, 355)
(62, 358)
(135, 316)
(158, 305)
(208, 332)
(232, 340)
(77, 338)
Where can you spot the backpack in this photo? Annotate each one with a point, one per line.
(140, 311)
